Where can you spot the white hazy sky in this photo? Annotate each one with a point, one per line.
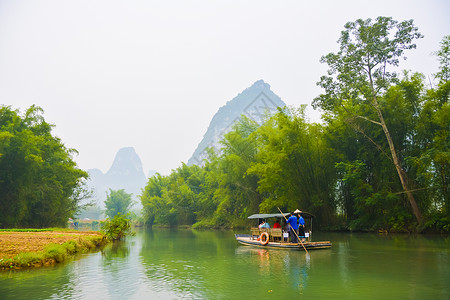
(151, 74)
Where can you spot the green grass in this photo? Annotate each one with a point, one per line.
(53, 253)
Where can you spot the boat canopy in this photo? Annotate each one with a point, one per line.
(279, 215)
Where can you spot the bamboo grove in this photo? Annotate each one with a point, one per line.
(379, 161)
(40, 184)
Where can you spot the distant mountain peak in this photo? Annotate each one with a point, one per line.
(256, 102)
(260, 84)
(126, 173)
(126, 162)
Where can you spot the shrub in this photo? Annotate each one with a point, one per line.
(56, 251)
(27, 259)
(117, 227)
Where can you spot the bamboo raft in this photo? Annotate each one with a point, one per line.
(277, 238)
(249, 240)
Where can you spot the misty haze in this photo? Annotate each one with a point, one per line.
(224, 149)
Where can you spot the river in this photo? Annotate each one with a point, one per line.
(188, 264)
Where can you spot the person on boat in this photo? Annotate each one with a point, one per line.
(264, 224)
(301, 226)
(276, 225)
(293, 227)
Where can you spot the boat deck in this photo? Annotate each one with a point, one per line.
(248, 240)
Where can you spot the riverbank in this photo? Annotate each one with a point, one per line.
(28, 249)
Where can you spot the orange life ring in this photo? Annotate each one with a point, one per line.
(264, 238)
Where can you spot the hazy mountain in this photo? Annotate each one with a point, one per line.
(125, 173)
(255, 102)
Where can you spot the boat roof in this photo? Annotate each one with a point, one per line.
(278, 215)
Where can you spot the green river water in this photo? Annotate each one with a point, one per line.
(186, 264)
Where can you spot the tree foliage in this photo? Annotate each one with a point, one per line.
(173, 199)
(40, 184)
(444, 60)
(117, 227)
(294, 165)
(361, 72)
(117, 202)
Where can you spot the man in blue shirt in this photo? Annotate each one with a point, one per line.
(293, 226)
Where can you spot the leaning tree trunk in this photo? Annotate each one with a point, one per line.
(401, 173)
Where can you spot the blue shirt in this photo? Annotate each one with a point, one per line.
(301, 221)
(293, 222)
(265, 225)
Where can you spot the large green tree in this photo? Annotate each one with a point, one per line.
(369, 187)
(294, 165)
(360, 72)
(117, 202)
(173, 199)
(40, 184)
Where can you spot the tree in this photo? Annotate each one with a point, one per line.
(443, 55)
(359, 74)
(117, 202)
(174, 199)
(40, 184)
(433, 159)
(293, 165)
(117, 227)
(151, 198)
(237, 191)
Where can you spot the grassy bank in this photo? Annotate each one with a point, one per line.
(34, 248)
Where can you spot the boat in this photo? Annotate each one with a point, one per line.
(277, 238)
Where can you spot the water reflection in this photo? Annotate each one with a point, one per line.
(174, 260)
(293, 265)
(117, 251)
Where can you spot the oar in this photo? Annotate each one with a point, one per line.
(298, 238)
